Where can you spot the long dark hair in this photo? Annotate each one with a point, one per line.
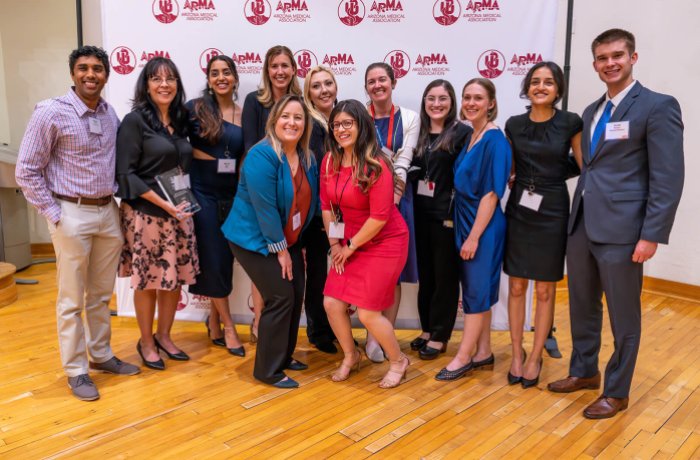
(142, 100)
(446, 137)
(557, 75)
(366, 155)
(206, 108)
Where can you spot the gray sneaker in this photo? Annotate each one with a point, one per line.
(115, 366)
(83, 388)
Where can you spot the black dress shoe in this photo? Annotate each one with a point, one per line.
(220, 342)
(326, 346)
(295, 365)
(487, 363)
(513, 379)
(428, 353)
(238, 351)
(156, 365)
(286, 383)
(418, 343)
(446, 376)
(179, 356)
(528, 383)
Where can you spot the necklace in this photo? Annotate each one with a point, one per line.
(475, 139)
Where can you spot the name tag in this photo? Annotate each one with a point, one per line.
(336, 230)
(181, 182)
(617, 130)
(226, 166)
(531, 200)
(426, 188)
(95, 125)
(296, 221)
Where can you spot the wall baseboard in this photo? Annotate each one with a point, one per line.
(42, 250)
(669, 288)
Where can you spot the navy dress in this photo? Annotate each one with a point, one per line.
(215, 192)
(410, 270)
(483, 169)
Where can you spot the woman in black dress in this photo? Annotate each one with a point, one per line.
(217, 144)
(538, 209)
(440, 140)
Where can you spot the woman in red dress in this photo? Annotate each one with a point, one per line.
(367, 235)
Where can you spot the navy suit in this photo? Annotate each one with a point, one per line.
(629, 190)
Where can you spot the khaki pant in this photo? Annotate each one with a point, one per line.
(87, 241)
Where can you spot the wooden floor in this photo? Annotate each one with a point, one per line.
(211, 406)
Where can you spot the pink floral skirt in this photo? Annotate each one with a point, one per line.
(158, 253)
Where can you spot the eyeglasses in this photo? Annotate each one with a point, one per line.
(433, 99)
(156, 80)
(346, 124)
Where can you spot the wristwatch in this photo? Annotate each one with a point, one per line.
(350, 246)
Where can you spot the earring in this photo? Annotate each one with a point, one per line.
(209, 90)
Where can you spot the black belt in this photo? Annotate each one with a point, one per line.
(101, 201)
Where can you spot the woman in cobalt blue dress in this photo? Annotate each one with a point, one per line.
(217, 144)
(481, 174)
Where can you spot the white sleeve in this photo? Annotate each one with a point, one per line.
(411, 129)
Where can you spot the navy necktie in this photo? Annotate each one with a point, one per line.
(600, 126)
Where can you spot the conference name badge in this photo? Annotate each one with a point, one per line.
(95, 125)
(337, 230)
(617, 130)
(296, 221)
(426, 188)
(226, 166)
(531, 200)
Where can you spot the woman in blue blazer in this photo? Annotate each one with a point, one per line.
(277, 198)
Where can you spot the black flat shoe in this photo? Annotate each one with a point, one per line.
(326, 346)
(179, 356)
(295, 365)
(514, 380)
(418, 343)
(428, 353)
(239, 351)
(487, 363)
(286, 383)
(155, 365)
(446, 376)
(529, 383)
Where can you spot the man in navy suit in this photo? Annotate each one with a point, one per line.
(624, 206)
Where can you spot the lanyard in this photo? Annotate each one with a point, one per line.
(339, 215)
(390, 134)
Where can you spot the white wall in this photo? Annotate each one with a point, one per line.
(669, 62)
(34, 60)
(4, 116)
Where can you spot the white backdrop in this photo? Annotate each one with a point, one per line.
(422, 39)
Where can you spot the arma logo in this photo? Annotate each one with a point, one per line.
(165, 11)
(399, 61)
(123, 60)
(482, 11)
(199, 10)
(248, 62)
(351, 12)
(340, 63)
(305, 60)
(147, 56)
(292, 11)
(257, 12)
(521, 63)
(386, 11)
(491, 64)
(206, 56)
(431, 64)
(183, 300)
(447, 12)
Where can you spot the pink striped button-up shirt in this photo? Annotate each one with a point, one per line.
(60, 154)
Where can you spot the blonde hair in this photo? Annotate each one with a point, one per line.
(275, 114)
(265, 95)
(315, 113)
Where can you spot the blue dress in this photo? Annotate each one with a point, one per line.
(410, 270)
(483, 169)
(215, 192)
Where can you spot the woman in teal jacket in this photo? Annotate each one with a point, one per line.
(277, 198)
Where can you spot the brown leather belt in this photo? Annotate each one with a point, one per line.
(101, 201)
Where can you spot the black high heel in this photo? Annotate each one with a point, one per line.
(156, 365)
(219, 342)
(428, 352)
(179, 356)
(516, 379)
(528, 383)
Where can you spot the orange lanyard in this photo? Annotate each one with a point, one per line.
(390, 134)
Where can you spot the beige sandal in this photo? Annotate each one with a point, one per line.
(344, 370)
(394, 377)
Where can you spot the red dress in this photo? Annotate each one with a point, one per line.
(372, 271)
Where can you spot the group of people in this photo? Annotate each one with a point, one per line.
(296, 179)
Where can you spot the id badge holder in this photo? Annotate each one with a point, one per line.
(226, 165)
(426, 188)
(336, 230)
(296, 221)
(531, 200)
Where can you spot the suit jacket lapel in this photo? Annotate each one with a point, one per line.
(588, 121)
(620, 112)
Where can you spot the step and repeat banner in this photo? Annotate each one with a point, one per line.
(422, 40)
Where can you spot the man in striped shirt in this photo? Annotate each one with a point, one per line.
(66, 170)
